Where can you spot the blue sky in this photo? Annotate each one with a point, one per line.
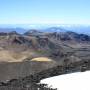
(44, 11)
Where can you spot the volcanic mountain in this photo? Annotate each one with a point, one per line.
(34, 51)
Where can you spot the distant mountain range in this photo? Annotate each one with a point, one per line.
(22, 28)
(19, 30)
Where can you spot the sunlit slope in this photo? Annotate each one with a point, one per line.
(10, 56)
(42, 59)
